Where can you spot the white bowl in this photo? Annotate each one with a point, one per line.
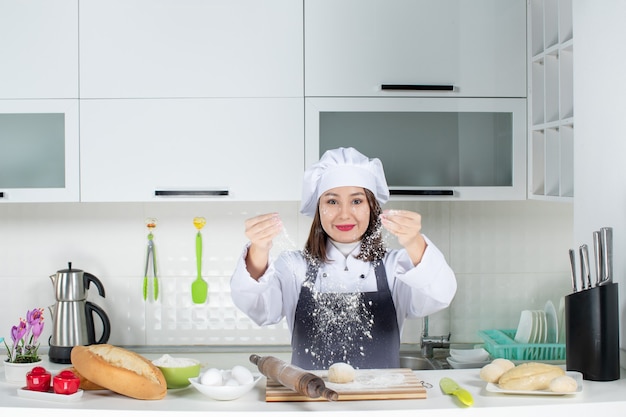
(469, 355)
(223, 392)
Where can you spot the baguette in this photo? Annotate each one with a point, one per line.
(85, 384)
(530, 376)
(120, 371)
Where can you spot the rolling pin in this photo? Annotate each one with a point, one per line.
(293, 377)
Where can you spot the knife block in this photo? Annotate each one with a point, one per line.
(592, 333)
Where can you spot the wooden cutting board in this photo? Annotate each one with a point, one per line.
(368, 384)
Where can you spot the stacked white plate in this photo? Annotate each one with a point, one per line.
(538, 326)
(468, 358)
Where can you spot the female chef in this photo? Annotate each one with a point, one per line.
(345, 296)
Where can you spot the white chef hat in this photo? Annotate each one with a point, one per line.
(339, 168)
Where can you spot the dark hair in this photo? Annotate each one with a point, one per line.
(372, 246)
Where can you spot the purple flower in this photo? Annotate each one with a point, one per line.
(35, 322)
(24, 336)
(18, 332)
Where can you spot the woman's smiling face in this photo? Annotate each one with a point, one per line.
(344, 213)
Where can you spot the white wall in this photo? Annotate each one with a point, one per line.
(600, 142)
(508, 256)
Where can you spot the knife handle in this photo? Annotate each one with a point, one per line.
(607, 253)
(584, 266)
(572, 262)
(597, 256)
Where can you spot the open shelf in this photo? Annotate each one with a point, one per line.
(550, 100)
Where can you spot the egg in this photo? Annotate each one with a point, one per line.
(242, 375)
(231, 383)
(212, 377)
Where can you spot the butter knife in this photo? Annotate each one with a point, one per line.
(450, 387)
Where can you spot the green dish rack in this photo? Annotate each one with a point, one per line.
(502, 344)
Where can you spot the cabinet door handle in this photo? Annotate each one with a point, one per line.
(421, 192)
(1, 194)
(190, 193)
(417, 87)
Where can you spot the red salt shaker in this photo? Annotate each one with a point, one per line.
(38, 379)
(66, 382)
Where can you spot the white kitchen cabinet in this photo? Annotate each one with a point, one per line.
(354, 47)
(39, 158)
(431, 148)
(191, 149)
(550, 100)
(191, 48)
(38, 49)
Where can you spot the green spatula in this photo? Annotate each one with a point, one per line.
(199, 287)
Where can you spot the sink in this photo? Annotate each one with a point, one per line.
(418, 363)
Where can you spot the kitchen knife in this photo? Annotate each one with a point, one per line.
(572, 262)
(606, 237)
(597, 256)
(450, 387)
(584, 266)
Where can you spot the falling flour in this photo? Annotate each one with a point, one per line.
(342, 320)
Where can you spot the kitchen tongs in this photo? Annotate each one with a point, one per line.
(151, 259)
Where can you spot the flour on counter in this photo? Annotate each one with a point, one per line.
(368, 380)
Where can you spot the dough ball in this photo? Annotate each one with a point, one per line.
(340, 373)
(563, 384)
(504, 363)
(494, 370)
(491, 373)
(241, 374)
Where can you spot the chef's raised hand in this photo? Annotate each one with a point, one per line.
(261, 230)
(406, 226)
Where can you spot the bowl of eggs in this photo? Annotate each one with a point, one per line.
(225, 385)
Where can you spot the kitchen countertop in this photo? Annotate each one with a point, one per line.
(596, 397)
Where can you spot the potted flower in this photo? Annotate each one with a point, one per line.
(23, 353)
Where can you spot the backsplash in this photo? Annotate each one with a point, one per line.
(508, 256)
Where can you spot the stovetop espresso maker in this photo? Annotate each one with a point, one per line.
(72, 315)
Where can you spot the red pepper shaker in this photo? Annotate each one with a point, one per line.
(66, 382)
(38, 379)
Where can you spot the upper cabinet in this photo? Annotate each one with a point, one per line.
(191, 149)
(551, 100)
(191, 48)
(39, 150)
(38, 49)
(415, 47)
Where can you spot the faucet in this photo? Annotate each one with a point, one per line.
(428, 343)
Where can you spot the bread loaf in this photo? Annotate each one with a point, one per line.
(85, 384)
(120, 370)
(530, 376)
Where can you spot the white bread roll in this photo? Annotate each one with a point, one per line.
(563, 384)
(530, 376)
(120, 370)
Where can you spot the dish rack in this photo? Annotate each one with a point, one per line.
(502, 344)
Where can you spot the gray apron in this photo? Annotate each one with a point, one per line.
(356, 328)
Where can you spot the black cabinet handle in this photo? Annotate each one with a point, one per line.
(417, 87)
(421, 192)
(190, 193)
(1, 194)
